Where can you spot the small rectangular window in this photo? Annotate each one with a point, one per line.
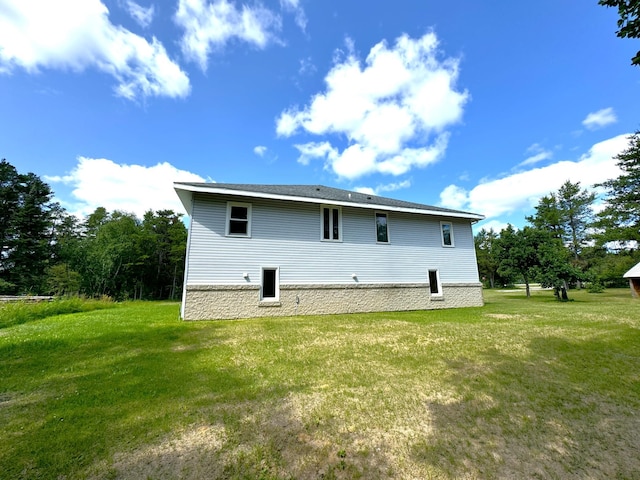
(382, 229)
(447, 234)
(270, 288)
(434, 282)
(239, 219)
(331, 223)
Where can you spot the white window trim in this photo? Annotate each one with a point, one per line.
(438, 282)
(453, 243)
(277, 297)
(375, 225)
(228, 219)
(340, 230)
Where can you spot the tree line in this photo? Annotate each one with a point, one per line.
(44, 250)
(565, 243)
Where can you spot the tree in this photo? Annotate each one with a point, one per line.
(9, 200)
(548, 216)
(166, 241)
(566, 215)
(629, 21)
(124, 257)
(25, 230)
(518, 253)
(576, 214)
(535, 254)
(486, 243)
(555, 268)
(111, 256)
(620, 219)
(32, 221)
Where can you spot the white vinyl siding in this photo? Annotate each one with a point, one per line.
(286, 234)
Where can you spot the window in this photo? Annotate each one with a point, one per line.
(238, 219)
(434, 283)
(331, 223)
(382, 229)
(270, 287)
(447, 234)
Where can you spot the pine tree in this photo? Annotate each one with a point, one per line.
(620, 219)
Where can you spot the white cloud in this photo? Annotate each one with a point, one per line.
(522, 190)
(98, 182)
(392, 187)
(312, 150)
(143, 16)
(77, 34)
(454, 197)
(389, 187)
(367, 190)
(209, 25)
(294, 7)
(537, 158)
(394, 110)
(495, 225)
(600, 119)
(260, 150)
(537, 155)
(307, 67)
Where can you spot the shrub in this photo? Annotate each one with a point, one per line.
(595, 287)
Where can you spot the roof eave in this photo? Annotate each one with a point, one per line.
(320, 201)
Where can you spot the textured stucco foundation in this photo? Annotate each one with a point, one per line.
(203, 302)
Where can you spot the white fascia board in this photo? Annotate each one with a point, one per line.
(186, 197)
(322, 201)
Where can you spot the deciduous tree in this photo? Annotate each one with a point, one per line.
(486, 243)
(518, 253)
(629, 21)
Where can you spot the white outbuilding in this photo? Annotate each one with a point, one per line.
(634, 280)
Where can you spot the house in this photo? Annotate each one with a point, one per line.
(634, 280)
(265, 250)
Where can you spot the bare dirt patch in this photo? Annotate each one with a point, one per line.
(193, 453)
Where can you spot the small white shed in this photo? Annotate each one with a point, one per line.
(634, 280)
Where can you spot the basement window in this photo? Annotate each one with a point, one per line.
(270, 286)
(434, 283)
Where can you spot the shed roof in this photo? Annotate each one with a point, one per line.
(316, 194)
(633, 273)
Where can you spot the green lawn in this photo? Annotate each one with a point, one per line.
(516, 389)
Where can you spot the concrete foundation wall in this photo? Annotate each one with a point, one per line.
(213, 302)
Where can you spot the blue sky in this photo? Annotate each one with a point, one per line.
(479, 106)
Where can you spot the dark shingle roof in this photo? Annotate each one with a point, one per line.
(320, 192)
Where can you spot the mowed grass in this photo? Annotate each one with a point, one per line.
(516, 389)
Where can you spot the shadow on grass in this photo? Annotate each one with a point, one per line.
(156, 402)
(568, 409)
